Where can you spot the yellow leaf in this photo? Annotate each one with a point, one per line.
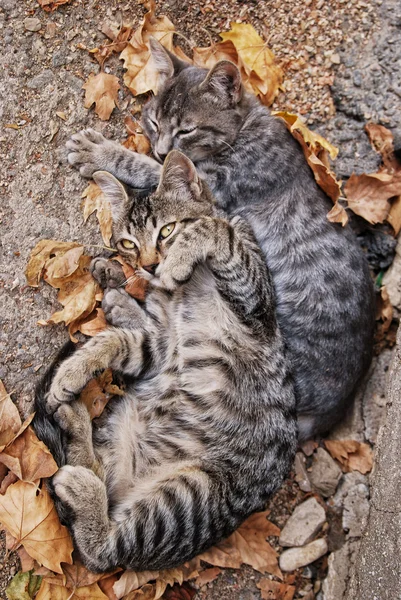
(262, 75)
(28, 457)
(208, 57)
(95, 200)
(41, 254)
(101, 90)
(30, 516)
(353, 455)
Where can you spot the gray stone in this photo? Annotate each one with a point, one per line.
(303, 524)
(293, 558)
(32, 24)
(374, 400)
(301, 474)
(392, 279)
(325, 473)
(41, 80)
(356, 510)
(58, 59)
(339, 565)
(347, 482)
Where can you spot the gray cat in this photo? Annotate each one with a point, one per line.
(325, 300)
(206, 431)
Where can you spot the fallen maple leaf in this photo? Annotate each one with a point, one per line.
(30, 516)
(101, 90)
(10, 421)
(28, 458)
(208, 57)
(369, 195)
(353, 455)
(52, 5)
(95, 200)
(40, 256)
(119, 37)
(247, 545)
(53, 589)
(273, 590)
(261, 74)
(207, 576)
(141, 75)
(90, 325)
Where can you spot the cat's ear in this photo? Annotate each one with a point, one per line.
(166, 63)
(179, 174)
(114, 192)
(224, 80)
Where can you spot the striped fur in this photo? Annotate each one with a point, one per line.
(206, 431)
(325, 301)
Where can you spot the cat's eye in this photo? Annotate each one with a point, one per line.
(166, 231)
(186, 131)
(153, 124)
(128, 244)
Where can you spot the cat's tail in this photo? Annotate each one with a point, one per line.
(44, 424)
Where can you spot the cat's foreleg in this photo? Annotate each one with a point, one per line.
(123, 350)
(89, 151)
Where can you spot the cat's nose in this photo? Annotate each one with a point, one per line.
(151, 268)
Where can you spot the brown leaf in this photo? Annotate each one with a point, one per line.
(338, 214)
(273, 590)
(7, 481)
(63, 265)
(136, 286)
(353, 455)
(91, 325)
(95, 200)
(130, 581)
(384, 309)
(52, 590)
(247, 545)
(119, 37)
(180, 592)
(382, 141)
(315, 149)
(51, 5)
(141, 75)
(207, 576)
(208, 57)
(102, 90)
(262, 75)
(98, 392)
(28, 457)
(106, 585)
(78, 576)
(369, 195)
(27, 562)
(136, 141)
(10, 421)
(40, 256)
(394, 216)
(29, 515)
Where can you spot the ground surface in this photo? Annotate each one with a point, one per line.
(358, 43)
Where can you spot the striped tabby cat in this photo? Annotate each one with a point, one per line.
(255, 168)
(206, 431)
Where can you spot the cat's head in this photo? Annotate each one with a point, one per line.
(144, 228)
(195, 111)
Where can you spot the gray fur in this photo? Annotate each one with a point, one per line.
(325, 302)
(206, 431)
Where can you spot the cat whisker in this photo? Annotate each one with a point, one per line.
(226, 143)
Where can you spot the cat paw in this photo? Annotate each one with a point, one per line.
(173, 274)
(80, 489)
(108, 273)
(74, 418)
(89, 151)
(68, 382)
(121, 310)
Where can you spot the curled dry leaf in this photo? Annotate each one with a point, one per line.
(136, 141)
(51, 5)
(273, 590)
(141, 75)
(247, 545)
(98, 392)
(102, 90)
(208, 57)
(382, 141)
(30, 516)
(133, 580)
(369, 195)
(95, 200)
(91, 325)
(28, 458)
(207, 576)
(261, 74)
(180, 592)
(316, 149)
(40, 256)
(53, 589)
(353, 455)
(10, 421)
(119, 37)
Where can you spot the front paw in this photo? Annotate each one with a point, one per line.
(81, 490)
(108, 273)
(173, 273)
(121, 310)
(74, 418)
(88, 151)
(68, 382)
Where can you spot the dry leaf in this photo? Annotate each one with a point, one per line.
(23, 586)
(384, 309)
(102, 90)
(353, 455)
(130, 581)
(29, 515)
(141, 75)
(338, 214)
(315, 149)
(91, 325)
(136, 141)
(51, 5)
(27, 562)
(369, 195)
(55, 591)
(382, 141)
(135, 286)
(7, 481)
(119, 38)
(207, 576)
(10, 421)
(98, 392)
(106, 585)
(261, 75)
(208, 57)
(95, 200)
(180, 592)
(273, 590)
(40, 255)
(28, 457)
(247, 545)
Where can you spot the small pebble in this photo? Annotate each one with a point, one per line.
(293, 558)
(31, 24)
